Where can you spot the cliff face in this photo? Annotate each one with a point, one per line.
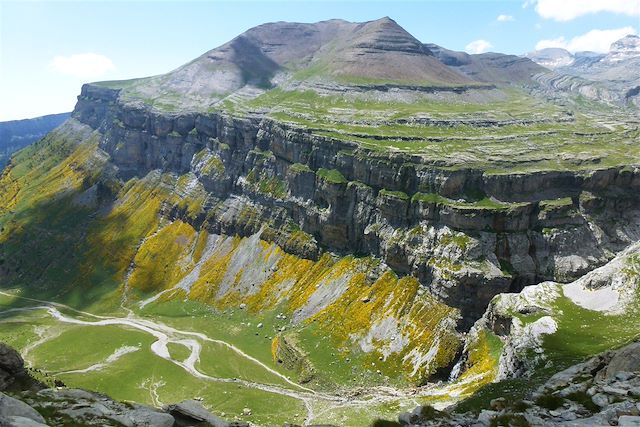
(465, 234)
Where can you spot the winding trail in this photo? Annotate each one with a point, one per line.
(164, 335)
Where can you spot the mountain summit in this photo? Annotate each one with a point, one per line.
(328, 53)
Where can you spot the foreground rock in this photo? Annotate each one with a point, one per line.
(13, 374)
(191, 412)
(604, 390)
(34, 405)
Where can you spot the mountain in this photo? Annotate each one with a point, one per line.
(487, 67)
(332, 51)
(626, 48)
(552, 57)
(311, 222)
(612, 77)
(16, 134)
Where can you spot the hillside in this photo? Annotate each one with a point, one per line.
(17, 134)
(329, 222)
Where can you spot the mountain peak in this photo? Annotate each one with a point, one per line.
(551, 57)
(386, 34)
(624, 48)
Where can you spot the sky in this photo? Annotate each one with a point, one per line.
(48, 49)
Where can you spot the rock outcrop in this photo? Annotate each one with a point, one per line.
(604, 390)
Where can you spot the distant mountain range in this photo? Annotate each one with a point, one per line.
(17, 134)
(614, 75)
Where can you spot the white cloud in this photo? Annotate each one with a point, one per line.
(478, 46)
(559, 42)
(505, 18)
(566, 10)
(82, 65)
(594, 40)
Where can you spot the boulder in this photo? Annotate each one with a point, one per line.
(10, 407)
(190, 411)
(627, 359)
(19, 422)
(629, 421)
(11, 365)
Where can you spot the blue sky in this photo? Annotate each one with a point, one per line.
(49, 48)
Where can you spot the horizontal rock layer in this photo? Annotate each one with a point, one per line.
(531, 226)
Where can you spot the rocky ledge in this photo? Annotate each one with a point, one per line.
(603, 391)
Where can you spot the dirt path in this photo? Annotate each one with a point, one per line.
(164, 335)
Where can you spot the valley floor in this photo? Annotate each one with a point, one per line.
(159, 359)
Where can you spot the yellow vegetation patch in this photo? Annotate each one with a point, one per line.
(117, 235)
(482, 363)
(213, 270)
(275, 343)
(200, 245)
(164, 258)
(354, 310)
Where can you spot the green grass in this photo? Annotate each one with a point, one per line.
(484, 203)
(178, 351)
(147, 373)
(557, 203)
(79, 347)
(331, 175)
(583, 333)
(153, 380)
(384, 126)
(395, 194)
(299, 168)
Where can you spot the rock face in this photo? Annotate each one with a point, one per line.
(546, 225)
(13, 374)
(604, 390)
(610, 290)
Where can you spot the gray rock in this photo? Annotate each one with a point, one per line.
(625, 376)
(617, 391)
(10, 359)
(485, 417)
(600, 399)
(10, 407)
(406, 418)
(11, 365)
(19, 422)
(629, 421)
(193, 410)
(568, 415)
(627, 359)
(145, 417)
